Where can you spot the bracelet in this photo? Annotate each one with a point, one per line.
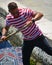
(33, 20)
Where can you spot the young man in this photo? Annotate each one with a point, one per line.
(19, 17)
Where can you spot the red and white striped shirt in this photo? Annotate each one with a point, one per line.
(30, 32)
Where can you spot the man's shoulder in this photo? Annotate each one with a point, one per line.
(9, 16)
(26, 9)
(22, 9)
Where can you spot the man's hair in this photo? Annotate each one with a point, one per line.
(12, 6)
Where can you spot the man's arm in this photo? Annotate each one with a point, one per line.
(37, 16)
(4, 32)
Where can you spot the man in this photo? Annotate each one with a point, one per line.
(19, 17)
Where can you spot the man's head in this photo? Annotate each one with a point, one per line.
(13, 8)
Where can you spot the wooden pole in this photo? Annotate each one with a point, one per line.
(16, 32)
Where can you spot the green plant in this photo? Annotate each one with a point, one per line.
(32, 62)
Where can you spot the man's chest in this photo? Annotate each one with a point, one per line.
(21, 20)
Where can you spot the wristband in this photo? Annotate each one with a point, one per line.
(33, 20)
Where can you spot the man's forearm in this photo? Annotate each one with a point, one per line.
(4, 31)
(38, 16)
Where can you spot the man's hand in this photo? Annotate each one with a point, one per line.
(3, 38)
(4, 32)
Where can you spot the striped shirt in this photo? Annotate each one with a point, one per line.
(25, 14)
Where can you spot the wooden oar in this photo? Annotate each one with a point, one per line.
(15, 32)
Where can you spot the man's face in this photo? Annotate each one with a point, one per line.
(15, 12)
